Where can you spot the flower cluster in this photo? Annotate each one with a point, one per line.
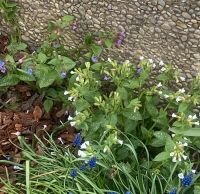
(187, 179)
(173, 191)
(120, 38)
(178, 152)
(2, 66)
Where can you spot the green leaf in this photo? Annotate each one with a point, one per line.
(81, 105)
(123, 93)
(68, 64)
(10, 59)
(183, 106)
(9, 80)
(193, 132)
(162, 77)
(169, 146)
(54, 62)
(47, 79)
(132, 84)
(96, 50)
(42, 57)
(162, 156)
(161, 138)
(48, 104)
(51, 92)
(129, 113)
(109, 43)
(196, 189)
(88, 40)
(67, 19)
(24, 76)
(96, 66)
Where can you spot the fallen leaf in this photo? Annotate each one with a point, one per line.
(37, 113)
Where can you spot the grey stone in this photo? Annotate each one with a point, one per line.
(183, 38)
(161, 2)
(197, 55)
(186, 15)
(166, 26)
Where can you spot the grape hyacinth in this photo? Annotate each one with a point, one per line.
(173, 191)
(77, 140)
(92, 162)
(2, 66)
(105, 78)
(139, 71)
(187, 180)
(73, 173)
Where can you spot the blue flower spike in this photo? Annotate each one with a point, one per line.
(77, 140)
(73, 173)
(173, 191)
(94, 59)
(187, 180)
(92, 162)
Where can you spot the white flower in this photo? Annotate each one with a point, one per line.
(141, 58)
(184, 157)
(160, 92)
(60, 139)
(73, 123)
(181, 175)
(53, 153)
(120, 142)
(82, 153)
(182, 91)
(163, 69)
(173, 135)
(76, 112)
(70, 118)
(17, 168)
(166, 96)
(174, 159)
(196, 123)
(66, 92)
(193, 171)
(85, 145)
(194, 117)
(17, 133)
(109, 60)
(72, 72)
(174, 115)
(190, 117)
(154, 65)
(44, 126)
(159, 85)
(182, 78)
(179, 98)
(70, 98)
(185, 144)
(106, 148)
(150, 60)
(77, 78)
(161, 63)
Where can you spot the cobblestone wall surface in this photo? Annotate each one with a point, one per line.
(158, 29)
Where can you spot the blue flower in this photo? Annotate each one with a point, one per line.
(94, 59)
(83, 167)
(92, 162)
(139, 71)
(73, 173)
(70, 192)
(2, 66)
(106, 78)
(187, 180)
(30, 71)
(173, 191)
(128, 192)
(77, 140)
(63, 74)
(122, 34)
(112, 192)
(119, 42)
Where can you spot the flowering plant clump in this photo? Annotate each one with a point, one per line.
(134, 132)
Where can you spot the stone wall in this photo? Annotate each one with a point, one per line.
(158, 29)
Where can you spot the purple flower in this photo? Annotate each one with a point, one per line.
(92, 162)
(139, 70)
(173, 191)
(94, 59)
(73, 173)
(106, 78)
(30, 71)
(118, 42)
(2, 66)
(122, 34)
(74, 26)
(63, 74)
(113, 192)
(77, 140)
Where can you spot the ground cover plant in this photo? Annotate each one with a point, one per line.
(95, 125)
